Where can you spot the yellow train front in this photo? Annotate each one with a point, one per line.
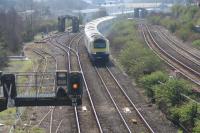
(96, 43)
(98, 49)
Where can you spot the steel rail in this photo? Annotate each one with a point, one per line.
(77, 119)
(130, 101)
(45, 67)
(51, 109)
(197, 73)
(63, 47)
(177, 45)
(113, 101)
(178, 51)
(170, 64)
(88, 91)
(51, 120)
(38, 52)
(59, 125)
(12, 128)
(70, 66)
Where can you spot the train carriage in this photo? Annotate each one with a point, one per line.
(97, 45)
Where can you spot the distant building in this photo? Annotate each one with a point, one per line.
(99, 2)
(197, 2)
(26, 13)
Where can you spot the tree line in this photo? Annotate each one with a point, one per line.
(11, 27)
(16, 29)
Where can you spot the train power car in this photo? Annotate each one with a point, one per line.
(96, 44)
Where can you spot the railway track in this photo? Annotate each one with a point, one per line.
(48, 119)
(183, 52)
(113, 87)
(190, 51)
(173, 57)
(38, 68)
(45, 55)
(72, 55)
(130, 115)
(91, 101)
(60, 43)
(75, 65)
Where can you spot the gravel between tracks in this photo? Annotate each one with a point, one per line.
(109, 119)
(151, 113)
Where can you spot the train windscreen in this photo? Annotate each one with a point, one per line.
(100, 43)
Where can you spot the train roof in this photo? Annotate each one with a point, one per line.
(91, 30)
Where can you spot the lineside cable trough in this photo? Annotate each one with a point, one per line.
(11, 94)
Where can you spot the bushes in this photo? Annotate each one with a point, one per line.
(185, 114)
(149, 81)
(3, 52)
(155, 19)
(169, 93)
(134, 57)
(196, 43)
(181, 21)
(196, 129)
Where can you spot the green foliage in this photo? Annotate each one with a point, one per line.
(155, 19)
(185, 113)
(196, 43)
(3, 52)
(32, 130)
(172, 25)
(183, 33)
(196, 129)
(27, 35)
(47, 25)
(169, 93)
(149, 81)
(8, 116)
(134, 57)
(180, 131)
(181, 21)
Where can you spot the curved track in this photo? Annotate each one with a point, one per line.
(187, 66)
